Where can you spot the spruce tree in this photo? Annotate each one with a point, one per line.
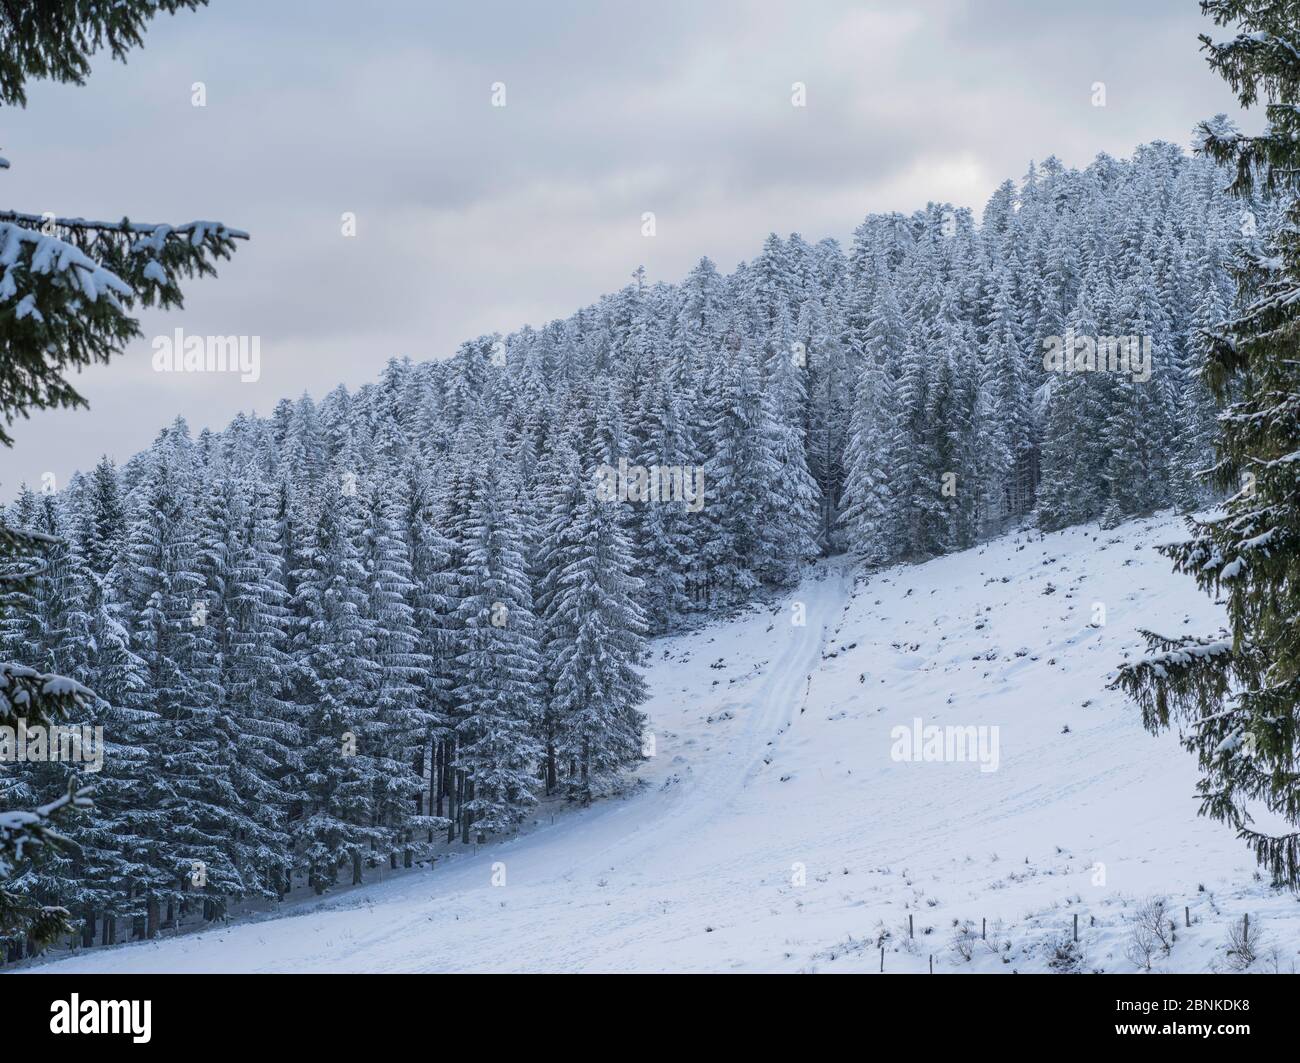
(1235, 697)
(265, 730)
(56, 39)
(669, 531)
(403, 714)
(564, 482)
(497, 748)
(431, 607)
(793, 511)
(741, 476)
(334, 661)
(870, 513)
(72, 284)
(598, 686)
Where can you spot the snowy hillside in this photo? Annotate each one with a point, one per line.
(778, 827)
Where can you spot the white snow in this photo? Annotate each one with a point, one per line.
(773, 750)
(51, 255)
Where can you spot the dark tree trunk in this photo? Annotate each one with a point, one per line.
(437, 782)
(466, 794)
(419, 774)
(450, 773)
(451, 807)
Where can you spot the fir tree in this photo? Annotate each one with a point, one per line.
(72, 284)
(597, 684)
(741, 475)
(1236, 697)
(793, 509)
(497, 749)
(333, 652)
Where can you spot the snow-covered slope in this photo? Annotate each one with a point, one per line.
(779, 828)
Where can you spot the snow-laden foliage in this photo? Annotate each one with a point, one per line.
(68, 287)
(389, 620)
(1236, 700)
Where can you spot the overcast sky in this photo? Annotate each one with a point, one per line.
(473, 218)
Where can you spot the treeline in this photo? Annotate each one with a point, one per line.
(363, 627)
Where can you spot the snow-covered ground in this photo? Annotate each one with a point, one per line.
(778, 829)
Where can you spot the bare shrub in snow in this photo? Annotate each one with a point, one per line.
(1243, 944)
(964, 939)
(1155, 913)
(1151, 932)
(1065, 956)
(996, 940)
(1142, 945)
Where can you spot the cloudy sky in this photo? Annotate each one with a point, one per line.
(472, 218)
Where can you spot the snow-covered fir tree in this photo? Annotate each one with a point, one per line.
(1235, 696)
(388, 620)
